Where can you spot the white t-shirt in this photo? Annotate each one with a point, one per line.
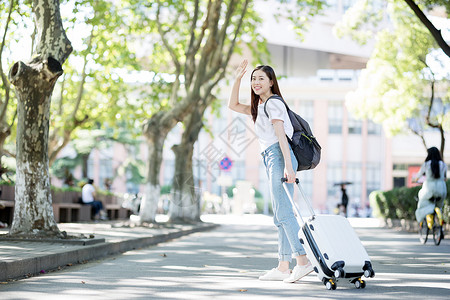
(87, 193)
(265, 132)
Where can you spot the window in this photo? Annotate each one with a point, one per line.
(354, 175)
(237, 170)
(306, 180)
(306, 111)
(334, 174)
(354, 125)
(332, 3)
(200, 171)
(220, 124)
(335, 118)
(400, 167)
(132, 187)
(373, 128)
(169, 170)
(106, 173)
(399, 182)
(373, 180)
(346, 4)
(90, 167)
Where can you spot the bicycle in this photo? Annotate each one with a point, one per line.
(433, 222)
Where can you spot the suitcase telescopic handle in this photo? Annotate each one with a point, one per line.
(284, 179)
(305, 198)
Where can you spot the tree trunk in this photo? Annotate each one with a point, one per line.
(152, 191)
(185, 198)
(442, 148)
(436, 33)
(155, 131)
(155, 134)
(439, 123)
(34, 82)
(33, 213)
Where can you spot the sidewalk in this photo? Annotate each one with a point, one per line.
(19, 259)
(225, 263)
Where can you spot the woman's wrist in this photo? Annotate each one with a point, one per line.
(288, 165)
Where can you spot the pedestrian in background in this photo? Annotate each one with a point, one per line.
(279, 161)
(88, 197)
(435, 171)
(344, 200)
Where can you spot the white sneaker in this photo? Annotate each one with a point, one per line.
(299, 272)
(275, 274)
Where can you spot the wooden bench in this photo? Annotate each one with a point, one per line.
(63, 212)
(116, 211)
(66, 208)
(71, 212)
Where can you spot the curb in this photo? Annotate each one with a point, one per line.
(32, 266)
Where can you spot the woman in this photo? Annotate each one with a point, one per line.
(435, 171)
(279, 161)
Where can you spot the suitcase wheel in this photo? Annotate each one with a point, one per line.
(339, 273)
(369, 273)
(360, 284)
(330, 284)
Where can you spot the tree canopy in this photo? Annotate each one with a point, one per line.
(406, 76)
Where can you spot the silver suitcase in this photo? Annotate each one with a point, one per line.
(332, 246)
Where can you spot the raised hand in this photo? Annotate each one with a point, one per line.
(241, 69)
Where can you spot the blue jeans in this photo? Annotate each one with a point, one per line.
(96, 205)
(288, 242)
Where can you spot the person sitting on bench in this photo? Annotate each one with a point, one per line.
(88, 197)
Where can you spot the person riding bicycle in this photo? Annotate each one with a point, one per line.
(435, 171)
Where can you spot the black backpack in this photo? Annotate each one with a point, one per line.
(303, 143)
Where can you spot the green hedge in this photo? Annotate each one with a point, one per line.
(401, 203)
(66, 189)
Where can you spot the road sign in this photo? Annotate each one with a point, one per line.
(225, 164)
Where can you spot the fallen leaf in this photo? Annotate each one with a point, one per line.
(69, 265)
(3, 282)
(163, 255)
(83, 282)
(242, 290)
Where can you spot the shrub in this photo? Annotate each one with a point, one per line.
(65, 189)
(401, 203)
(7, 182)
(260, 206)
(165, 189)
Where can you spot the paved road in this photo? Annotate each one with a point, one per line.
(225, 263)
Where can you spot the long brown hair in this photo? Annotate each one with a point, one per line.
(275, 89)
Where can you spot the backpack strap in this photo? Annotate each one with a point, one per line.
(290, 112)
(276, 97)
(287, 108)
